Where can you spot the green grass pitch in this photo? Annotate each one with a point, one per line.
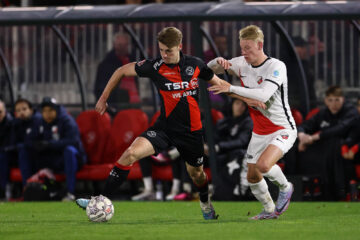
(179, 220)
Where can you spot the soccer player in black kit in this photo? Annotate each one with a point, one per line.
(176, 77)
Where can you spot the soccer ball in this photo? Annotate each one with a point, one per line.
(100, 209)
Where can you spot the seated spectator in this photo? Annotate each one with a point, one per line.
(127, 91)
(6, 128)
(25, 117)
(319, 143)
(57, 146)
(233, 134)
(350, 152)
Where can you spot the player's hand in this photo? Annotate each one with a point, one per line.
(224, 87)
(350, 155)
(101, 106)
(224, 63)
(255, 103)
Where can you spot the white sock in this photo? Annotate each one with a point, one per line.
(148, 184)
(175, 185)
(261, 192)
(187, 187)
(276, 176)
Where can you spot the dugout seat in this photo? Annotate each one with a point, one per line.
(94, 131)
(216, 115)
(311, 113)
(297, 116)
(127, 125)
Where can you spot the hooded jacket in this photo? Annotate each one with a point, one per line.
(60, 133)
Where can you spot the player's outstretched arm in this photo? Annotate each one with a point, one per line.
(127, 70)
(222, 84)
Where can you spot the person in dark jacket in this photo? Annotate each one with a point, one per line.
(350, 153)
(233, 134)
(320, 140)
(57, 145)
(25, 117)
(6, 128)
(127, 91)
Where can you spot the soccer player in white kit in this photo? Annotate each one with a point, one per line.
(263, 79)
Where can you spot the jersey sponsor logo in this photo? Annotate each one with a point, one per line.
(158, 64)
(140, 63)
(260, 80)
(279, 140)
(284, 135)
(194, 83)
(184, 94)
(189, 70)
(151, 134)
(177, 85)
(276, 73)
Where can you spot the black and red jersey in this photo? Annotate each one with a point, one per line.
(178, 88)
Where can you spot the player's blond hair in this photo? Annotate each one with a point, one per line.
(251, 32)
(170, 37)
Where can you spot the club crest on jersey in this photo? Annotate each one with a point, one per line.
(284, 135)
(151, 134)
(260, 80)
(194, 83)
(276, 73)
(140, 63)
(189, 70)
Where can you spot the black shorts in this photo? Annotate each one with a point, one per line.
(189, 145)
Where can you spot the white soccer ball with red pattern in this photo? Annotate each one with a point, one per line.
(100, 209)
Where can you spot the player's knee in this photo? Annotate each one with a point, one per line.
(252, 178)
(130, 155)
(195, 175)
(263, 167)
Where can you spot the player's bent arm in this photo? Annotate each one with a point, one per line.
(262, 94)
(127, 70)
(218, 81)
(250, 102)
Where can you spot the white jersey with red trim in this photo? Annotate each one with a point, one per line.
(267, 83)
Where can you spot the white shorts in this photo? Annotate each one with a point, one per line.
(283, 139)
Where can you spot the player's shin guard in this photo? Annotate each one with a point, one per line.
(116, 177)
(276, 176)
(261, 192)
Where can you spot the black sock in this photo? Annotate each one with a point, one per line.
(115, 179)
(204, 192)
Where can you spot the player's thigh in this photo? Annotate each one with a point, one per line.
(140, 148)
(279, 143)
(159, 140)
(256, 146)
(190, 147)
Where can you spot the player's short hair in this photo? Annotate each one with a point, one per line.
(251, 32)
(170, 37)
(23, 100)
(334, 91)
